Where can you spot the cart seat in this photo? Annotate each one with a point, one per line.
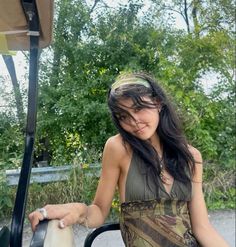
(48, 234)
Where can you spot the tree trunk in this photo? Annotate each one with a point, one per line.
(186, 16)
(195, 19)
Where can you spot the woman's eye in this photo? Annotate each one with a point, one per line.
(122, 118)
(137, 109)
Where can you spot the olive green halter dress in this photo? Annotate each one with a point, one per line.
(150, 217)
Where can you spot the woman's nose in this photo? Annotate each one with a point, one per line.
(134, 120)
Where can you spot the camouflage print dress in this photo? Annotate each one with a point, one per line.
(151, 217)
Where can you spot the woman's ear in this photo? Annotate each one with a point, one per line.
(159, 105)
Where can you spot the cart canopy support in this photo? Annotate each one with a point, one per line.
(25, 25)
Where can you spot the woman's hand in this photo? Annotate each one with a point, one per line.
(67, 214)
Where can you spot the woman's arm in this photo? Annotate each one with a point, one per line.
(201, 226)
(95, 214)
(113, 154)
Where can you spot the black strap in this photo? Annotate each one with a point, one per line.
(23, 184)
(39, 234)
(106, 227)
(4, 237)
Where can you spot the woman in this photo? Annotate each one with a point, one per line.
(159, 176)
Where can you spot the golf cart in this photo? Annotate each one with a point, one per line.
(27, 25)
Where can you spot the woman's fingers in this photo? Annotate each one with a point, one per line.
(34, 218)
(62, 224)
(68, 214)
(38, 215)
(75, 213)
(68, 220)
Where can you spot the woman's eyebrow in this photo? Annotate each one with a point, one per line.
(123, 107)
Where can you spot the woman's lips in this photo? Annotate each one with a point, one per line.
(140, 130)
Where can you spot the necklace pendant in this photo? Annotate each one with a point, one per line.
(165, 179)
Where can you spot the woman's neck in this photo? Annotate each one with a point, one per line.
(156, 143)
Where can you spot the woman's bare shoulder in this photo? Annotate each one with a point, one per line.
(114, 140)
(115, 145)
(198, 167)
(195, 153)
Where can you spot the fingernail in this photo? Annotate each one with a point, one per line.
(61, 224)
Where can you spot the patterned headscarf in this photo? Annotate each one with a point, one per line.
(128, 80)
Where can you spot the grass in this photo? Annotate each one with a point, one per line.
(219, 187)
(219, 191)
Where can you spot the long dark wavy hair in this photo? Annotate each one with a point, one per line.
(176, 156)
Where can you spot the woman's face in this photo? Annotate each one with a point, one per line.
(139, 121)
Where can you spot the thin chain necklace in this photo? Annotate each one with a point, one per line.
(167, 180)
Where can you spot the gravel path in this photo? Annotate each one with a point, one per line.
(223, 221)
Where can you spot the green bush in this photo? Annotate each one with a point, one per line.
(81, 187)
(7, 195)
(219, 187)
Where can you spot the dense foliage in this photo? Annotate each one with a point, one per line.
(93, 44)
(91, 48)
